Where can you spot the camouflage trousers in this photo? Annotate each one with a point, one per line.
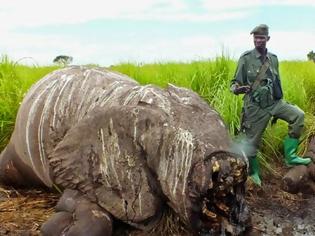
(255, 121)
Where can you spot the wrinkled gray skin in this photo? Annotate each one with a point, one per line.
(119, 150)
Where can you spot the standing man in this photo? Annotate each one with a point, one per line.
(257, 76)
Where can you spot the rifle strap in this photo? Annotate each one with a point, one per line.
(261, 73)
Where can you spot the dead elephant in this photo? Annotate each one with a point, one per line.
(124, 151)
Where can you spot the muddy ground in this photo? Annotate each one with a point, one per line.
(274, 212)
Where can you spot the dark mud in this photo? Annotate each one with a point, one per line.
(275, 212)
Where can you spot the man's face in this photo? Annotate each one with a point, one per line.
(260, 41)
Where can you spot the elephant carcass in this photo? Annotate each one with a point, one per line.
(123, 151)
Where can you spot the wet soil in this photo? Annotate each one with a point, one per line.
(274, 212)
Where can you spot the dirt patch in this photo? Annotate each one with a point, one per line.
(274, 212)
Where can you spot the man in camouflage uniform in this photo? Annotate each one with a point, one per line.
(263, 100)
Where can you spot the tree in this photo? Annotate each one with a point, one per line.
(311, 56)
(63, 60)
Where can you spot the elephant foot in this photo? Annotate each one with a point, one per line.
(77, 216)
(9, 174)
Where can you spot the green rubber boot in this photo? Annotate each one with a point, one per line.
(254, 170)
(290, 147)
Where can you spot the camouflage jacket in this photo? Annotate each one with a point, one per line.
(248, 67)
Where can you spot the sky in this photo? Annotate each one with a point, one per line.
(108, 32)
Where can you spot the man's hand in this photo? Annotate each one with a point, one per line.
(241, 89)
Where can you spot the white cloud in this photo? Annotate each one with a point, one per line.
(230, 5)
(287, 45)
(44, 48)
(37, 12)
(40, 13)
(19, 13)
(292, 45)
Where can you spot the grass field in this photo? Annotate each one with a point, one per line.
(15, 80)
(210, 79)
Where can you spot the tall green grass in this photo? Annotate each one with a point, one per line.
(15, 80)
(210, 79)
(298, 81)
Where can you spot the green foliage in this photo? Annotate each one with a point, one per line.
(63, 60)
(311, 56)
(15, 80)
(210, 79)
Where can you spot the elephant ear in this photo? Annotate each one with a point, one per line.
(71, 159)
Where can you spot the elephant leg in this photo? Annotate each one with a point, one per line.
(9, 173)
(14, 172)
(77, 216)
(57, 224)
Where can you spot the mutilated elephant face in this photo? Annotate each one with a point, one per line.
(203, 181)
(217, 195)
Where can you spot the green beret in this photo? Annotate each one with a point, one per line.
(261, 30)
